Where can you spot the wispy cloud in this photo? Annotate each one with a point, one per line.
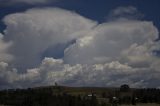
(123, 13)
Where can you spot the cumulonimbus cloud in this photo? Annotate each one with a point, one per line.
(107, 54)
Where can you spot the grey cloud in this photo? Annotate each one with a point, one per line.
(4, 46)
(107, 74)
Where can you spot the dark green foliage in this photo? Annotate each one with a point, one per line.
(124, 88)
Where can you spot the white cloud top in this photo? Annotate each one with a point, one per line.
(36, 30)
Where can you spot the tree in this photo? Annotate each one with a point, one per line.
(124, 88)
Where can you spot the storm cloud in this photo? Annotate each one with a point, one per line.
(107, 54)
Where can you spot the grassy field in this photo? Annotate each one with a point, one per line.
(146, 104)
(87, 90)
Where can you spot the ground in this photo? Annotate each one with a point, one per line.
(146, 104)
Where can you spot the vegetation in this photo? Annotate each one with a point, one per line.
(78, 96)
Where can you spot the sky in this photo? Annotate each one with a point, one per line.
(103, 43)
